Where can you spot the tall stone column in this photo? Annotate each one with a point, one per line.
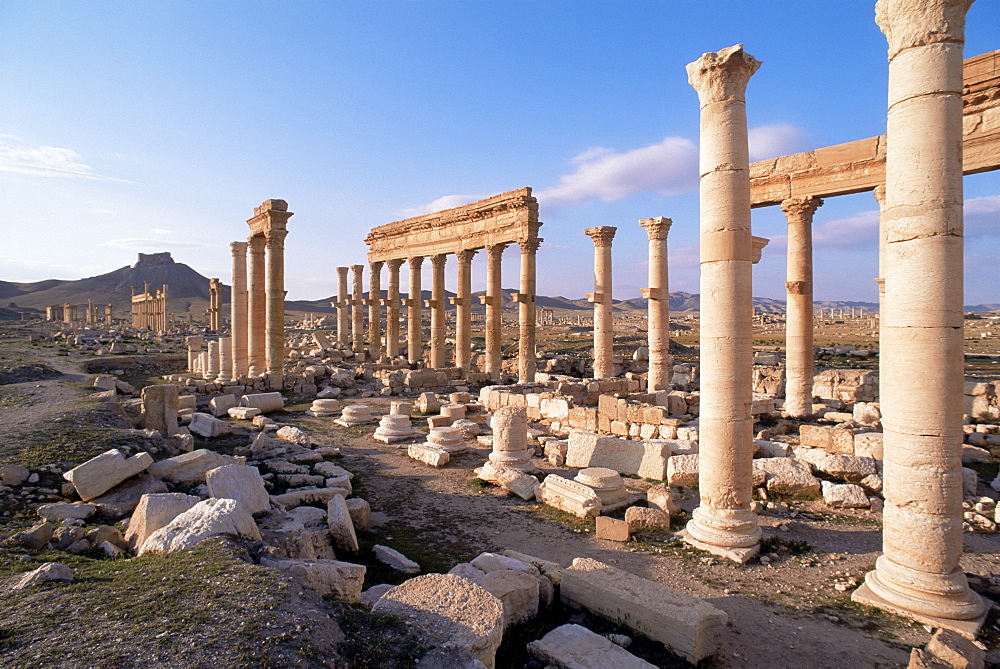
(212, 370)
(918, 574)
(375, 310)
(414, 299)
(658, 305)
(194, 345)
(526, 311)
(799, 305)
(879, 193)
(463, 311)
(343, 303)
(724, 524)
(357, 313)
(225, 361)
(256, 307)
(494, 312)
(392, 310)
(238, 310)
(437, 304)
(275, 335)
(604, 326)
(214, 304)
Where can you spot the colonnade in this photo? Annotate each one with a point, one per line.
(149, 310)
(214, 304)
(351, 309)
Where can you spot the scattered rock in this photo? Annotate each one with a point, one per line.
(50, 571)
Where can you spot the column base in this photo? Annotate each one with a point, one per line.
(967, 628)
(741, 555)
(729, 533)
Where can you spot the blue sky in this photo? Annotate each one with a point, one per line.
(143, 126)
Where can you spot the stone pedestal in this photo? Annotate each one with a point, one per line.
(414, 345)
(448, 439)
(238, 310)
(323, 408)
(604, 334)
(510, 439)
(799, 306)
(661, 365)
(608, 484)
(355, 414)
(724, 523)
(919, 574)
(394, 427)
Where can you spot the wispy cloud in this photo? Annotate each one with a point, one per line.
(45, 161)
(668, 167)
(777, 139)
(443, 202)
(139, 244)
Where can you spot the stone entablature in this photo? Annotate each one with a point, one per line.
(510, 217)
(858, 166)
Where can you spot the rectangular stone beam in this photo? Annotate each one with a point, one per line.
(859, 166)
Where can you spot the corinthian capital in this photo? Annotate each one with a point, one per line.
(657, 228)
(909, 23)
(722, 75)
(801, 209)
(602, 235)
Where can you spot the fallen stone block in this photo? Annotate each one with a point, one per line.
(65, 510)
(395, 559)
(955, 650)
(338, 518)
(570, 496)
(266, 402)
(221, 404)
(124, 497)
(50, 571)
(192, 467)
(370, 596)
(310, 495)
(361, 513)
(548, 568)
(448, 610)
(850, 468)
(611, 529)
(98, 475)
(576, 647)
(523, 485)
(153, 512)
(239, 482)
(682, 470)
(293, 435)
(639, 517)
(435, 457)
(787, 476)
(208, 426)
(34, 538)
(243, 413)
(517, 590)
(13, 475)
(685, 624)
(330, 578)
(647, 459)
(205, 519)
(845, 496)
(660, 496)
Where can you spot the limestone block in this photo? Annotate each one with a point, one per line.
(208, 426)
(646, 459)
(660, 496)
(430, 455)
(266, 402)
(448, 610)
(205, 519)
(243, 413)
(100, 474)
(570, 496)
(341, 527)
(868, 445)
(104, 383)
(361, 513)
(956, 650)
(611, 529)
(639, 517)
(867, 413)
(771, 449)
(575, 647)
(124, 497)
(849, 468)
(370, 596)
(682, 470)
(330, 578)
(787, 476)
(153, 512)
(50, 571)
(65, 510)
(685, 624)
(523, 485)
(395, 559)
(518, 591)
(221, 404)
(830, 438)
(845, 496)
(293, 435)
(12, 475)
(192, 467)
(428, 402)
(35, 537)
(487, 562)
(975, 454)
(970, 481)
(239, 482)
(310, 495)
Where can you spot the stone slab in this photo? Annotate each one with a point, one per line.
(98, 475)
(576, 647)
(967, 628)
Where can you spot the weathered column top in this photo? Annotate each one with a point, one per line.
(910, 23)
(342, 271)
(270, 215)
(758, 244)
(529, 246)
(602, 235)
(357, 268)
(722, 75)
(800, 209)
(238, 248)
(438, 260)
(657, 228)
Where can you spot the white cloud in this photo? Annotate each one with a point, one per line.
(777, 139)
(160, 231)
(45, 161)
(156, 245)
(667, 167)
(849, 233)
(443, 202)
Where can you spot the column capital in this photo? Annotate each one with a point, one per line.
(530, 245)
(256, 244)
(800, 209)
(415, 261)
(602, 235)
(496, 250)
(657, 228)
(395, 263)
(238, 248)
(438, 260)
(376, 265)
(275, 236)
(907, 24)
(879, 193)
(758, 244)
(357, 268)
(722, 75)
(465, 256)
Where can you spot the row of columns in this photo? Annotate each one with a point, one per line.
(349, 309)
(149, 310)
(67, 313)
(214, 304)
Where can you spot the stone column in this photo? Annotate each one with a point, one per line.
(357, 313)
(225, 361)
(879, 193)
(658, 307)
(436, 304)
(526, 311)
(414, 299)
(275, 336)
(238, 310)
(463, 311)
(256, 307)
(342, 304)
(214, 304)
(604, 327)
(494, 312)
(724, 524)
(392, 310)
(918, 574)
(799, 305)
(212, 368)
(194, 350)
(375, 311)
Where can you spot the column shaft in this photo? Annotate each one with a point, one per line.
(343, 303)
(275, 335)
(357, 309)
(799, 306)
(494, 312)
(463, 312)
(238, 310)
(658, 306)
(604, 333)
(392, 310)
(526, 312)
(256, 307)
(437, 304)
(414, 347)
(375, 310)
